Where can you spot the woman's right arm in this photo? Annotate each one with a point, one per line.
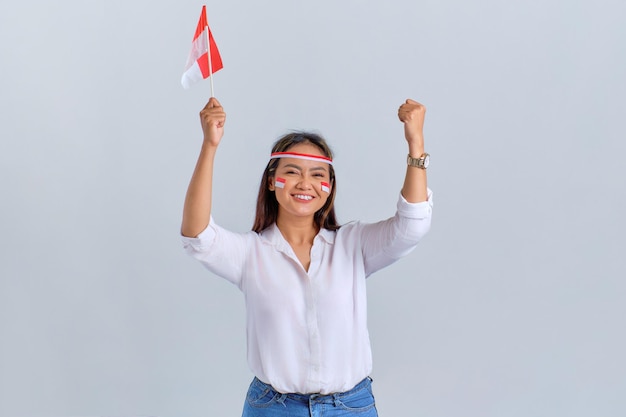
(197, 210)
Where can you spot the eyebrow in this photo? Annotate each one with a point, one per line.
(318, 168)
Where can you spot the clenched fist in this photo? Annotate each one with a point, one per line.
(213, 118)
(412, 113)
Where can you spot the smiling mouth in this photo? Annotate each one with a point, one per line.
(303, 197)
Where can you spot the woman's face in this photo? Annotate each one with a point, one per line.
(301, 186)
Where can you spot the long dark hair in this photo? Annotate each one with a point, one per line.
(267, 205)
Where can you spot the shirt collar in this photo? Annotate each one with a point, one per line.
(273, 236)
(327, 235)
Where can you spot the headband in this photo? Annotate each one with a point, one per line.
(306, 156)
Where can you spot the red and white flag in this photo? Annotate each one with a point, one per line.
(198, 66)
(279, 183)
(325, 187)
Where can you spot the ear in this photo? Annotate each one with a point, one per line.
(270, 184)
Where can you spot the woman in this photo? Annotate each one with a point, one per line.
(302, 275)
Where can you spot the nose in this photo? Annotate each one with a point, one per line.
(304, 184)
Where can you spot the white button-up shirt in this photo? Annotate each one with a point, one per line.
(307, 331)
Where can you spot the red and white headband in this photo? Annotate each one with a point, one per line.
(308, 157)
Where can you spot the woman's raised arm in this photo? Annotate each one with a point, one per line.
(412, 113)
(197, 210)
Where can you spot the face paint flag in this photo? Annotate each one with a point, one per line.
(325, 187)
(199, 64)
(279, 183)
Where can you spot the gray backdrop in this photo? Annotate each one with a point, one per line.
(513, 305)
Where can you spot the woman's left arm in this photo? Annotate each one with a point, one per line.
(412, 113)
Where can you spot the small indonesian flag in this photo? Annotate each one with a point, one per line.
(279, 183)
(197, 67)
(325, 187)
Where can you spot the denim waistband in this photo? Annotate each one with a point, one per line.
(321, 398)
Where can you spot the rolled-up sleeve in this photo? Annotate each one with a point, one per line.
(387, 241)
(219, 250)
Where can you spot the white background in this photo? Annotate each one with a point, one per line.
(513, 305)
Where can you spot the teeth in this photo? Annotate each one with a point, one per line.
(303, 197)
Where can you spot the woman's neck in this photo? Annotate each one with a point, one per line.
(297, 231)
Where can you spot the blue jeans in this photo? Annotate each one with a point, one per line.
(263, 401)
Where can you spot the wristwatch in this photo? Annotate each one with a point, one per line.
(422, 162)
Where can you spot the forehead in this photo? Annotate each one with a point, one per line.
(304, 148)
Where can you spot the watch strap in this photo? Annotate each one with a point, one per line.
(418, 162)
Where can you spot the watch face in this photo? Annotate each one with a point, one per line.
(426, 161)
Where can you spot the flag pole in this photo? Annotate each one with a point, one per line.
(208, 45)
